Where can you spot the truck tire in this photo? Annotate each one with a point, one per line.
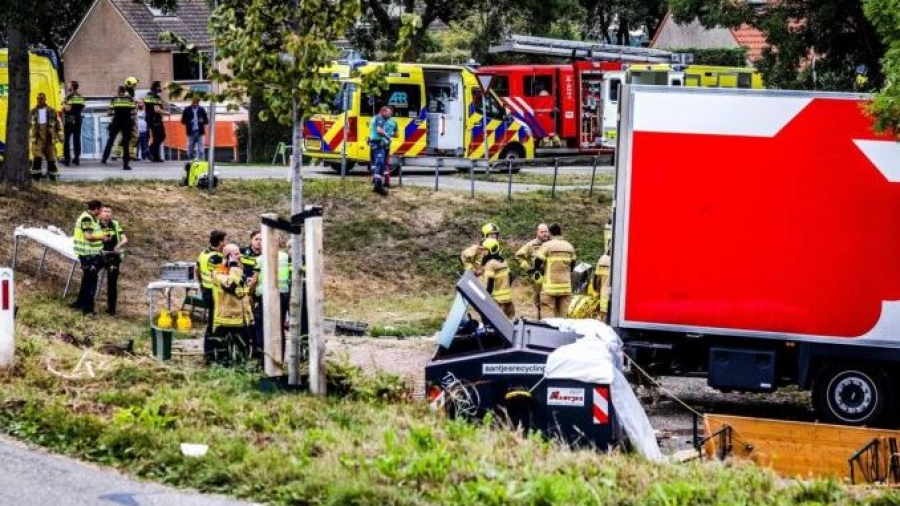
(336, 166)
(852, 394)
(512, 152)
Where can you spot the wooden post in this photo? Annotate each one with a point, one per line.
(315, 298)
(271, 300)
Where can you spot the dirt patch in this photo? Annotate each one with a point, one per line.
(406, 357)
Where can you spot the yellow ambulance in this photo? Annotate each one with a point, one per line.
(438, 109)
(44, 79)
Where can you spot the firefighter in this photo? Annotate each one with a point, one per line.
(232, 314)
(554, 262)
(45, 133)
(114, 239)
(207, 262)
(380, 143)
(122, 110)
(496, 277)
(154, 116)
(88, 244)
(73, 108)
(525, 257)
(472, 256)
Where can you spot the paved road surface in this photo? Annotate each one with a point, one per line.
(173, 171)
(32, 477)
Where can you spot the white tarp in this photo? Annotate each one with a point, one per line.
(597, 358)
(50, 237)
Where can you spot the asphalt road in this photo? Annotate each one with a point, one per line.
(447, 180)
(32, 477)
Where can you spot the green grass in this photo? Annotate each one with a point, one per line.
(368, 446)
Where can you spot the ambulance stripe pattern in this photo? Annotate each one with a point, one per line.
(600, 405)
(524, 113)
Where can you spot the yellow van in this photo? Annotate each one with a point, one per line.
(705, 76)
(438, 109)
(44, 79)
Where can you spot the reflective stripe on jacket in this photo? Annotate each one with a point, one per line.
(558, 256)
(231, 302)
(498, 271)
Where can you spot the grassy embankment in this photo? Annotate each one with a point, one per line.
(372, 446)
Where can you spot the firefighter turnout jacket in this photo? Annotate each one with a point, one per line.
(232, 306)
(556, 259)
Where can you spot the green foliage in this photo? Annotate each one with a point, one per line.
(722, 56)
(885, 16)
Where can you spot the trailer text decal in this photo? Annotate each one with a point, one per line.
(512, 368)
(565, 396)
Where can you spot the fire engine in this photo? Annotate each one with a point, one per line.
(573, 107)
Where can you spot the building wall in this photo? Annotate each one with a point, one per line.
(105, 51)
(692, 35)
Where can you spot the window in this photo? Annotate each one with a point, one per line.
(538, 86)
(614, 89)
(187, 67)
(745, 80)
(159, 12)
(405, 99)
(495, 110)
(500, 85)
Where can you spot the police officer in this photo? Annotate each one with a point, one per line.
(122, 109)
(45, 132)
(154, 116)
(88, 244)
(554, 262)
(114, 239)
(380, 133)
(207, 262)
(73, 108)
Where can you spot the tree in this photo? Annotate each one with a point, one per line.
(626, 15)
(885, 15)
(814, 44)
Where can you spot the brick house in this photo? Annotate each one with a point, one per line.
(120, 38)
(674, 36)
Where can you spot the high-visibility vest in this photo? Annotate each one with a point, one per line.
(204, 261)
(558, 256)
(284, 274)
(498, 270)
(83, 247)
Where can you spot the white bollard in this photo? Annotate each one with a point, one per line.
(7, 318)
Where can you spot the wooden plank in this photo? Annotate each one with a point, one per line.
(271, 300)
(794, 448)
(314, 274)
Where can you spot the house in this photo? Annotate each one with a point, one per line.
(675, 36)
(120, 38)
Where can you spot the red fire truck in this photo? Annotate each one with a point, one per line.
(562, 104)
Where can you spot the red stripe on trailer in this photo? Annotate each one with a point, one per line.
(600, 405)
(5, 296)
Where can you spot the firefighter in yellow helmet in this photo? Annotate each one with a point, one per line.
(496, 278)
(554, 261)
(472, 256)
(232, 338)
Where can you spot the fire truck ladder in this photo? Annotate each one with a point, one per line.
(543, 46)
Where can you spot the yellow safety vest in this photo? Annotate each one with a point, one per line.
(82, 246)
(284, 274)
(499, 272)
(204, 261)
(558, 256)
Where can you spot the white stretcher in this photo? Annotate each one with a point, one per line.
(51, 238)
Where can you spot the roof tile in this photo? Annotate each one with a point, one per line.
(188, 21)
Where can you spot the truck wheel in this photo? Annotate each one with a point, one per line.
(852, 395)
(336, 166)
(512, 152)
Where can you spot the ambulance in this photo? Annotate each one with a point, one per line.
(44, 79)
(439, 113)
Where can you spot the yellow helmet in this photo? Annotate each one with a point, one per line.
(492, 245)
(488, 229)
(131, 82)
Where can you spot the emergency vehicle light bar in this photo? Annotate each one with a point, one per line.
(544, 46)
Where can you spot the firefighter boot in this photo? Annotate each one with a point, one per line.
(36, 168)
(52, 170)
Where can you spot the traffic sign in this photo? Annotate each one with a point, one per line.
(485, 80)
(7, 317)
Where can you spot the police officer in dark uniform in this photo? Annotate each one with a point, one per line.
(122, 109)
(155, 112)
(114, 239)
(73, 108)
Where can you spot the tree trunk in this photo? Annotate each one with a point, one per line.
(15, 165)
